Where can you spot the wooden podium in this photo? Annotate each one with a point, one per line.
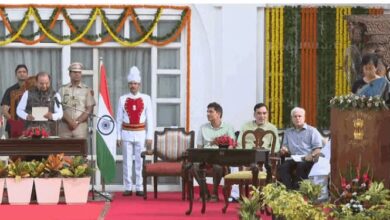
(43, 147)
(360, 135)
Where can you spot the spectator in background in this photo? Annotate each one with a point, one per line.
(21, 73)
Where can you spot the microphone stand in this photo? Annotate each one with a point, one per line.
(105, 195)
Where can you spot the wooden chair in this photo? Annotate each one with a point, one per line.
(169, 158)
(244, 177)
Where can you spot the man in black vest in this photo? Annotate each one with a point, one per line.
(41, 96)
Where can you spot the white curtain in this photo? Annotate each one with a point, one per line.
(36, 60)
(118, 62)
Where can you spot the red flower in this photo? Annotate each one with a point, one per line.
(225, 140)
(343, 183)
(366, 178)
(35, 131)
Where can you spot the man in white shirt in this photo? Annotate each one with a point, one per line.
(135, 127)
(41, 96)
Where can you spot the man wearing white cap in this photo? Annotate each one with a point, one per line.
(135, 127)
(78, 103)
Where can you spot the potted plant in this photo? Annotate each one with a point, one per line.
(373, 203)
(3, 173)
(285, 204)
(250, 207)
(48, 183)
(76, 173)
(19, 186)
(310, 191)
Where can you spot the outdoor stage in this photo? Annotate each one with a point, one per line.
(168, 206)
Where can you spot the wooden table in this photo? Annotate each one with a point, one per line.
(224, 157)
(43, 147)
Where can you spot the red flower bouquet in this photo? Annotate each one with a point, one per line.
(354, 184)
(225, 141)
(36, 132)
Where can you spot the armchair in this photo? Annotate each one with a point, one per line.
(169, 157)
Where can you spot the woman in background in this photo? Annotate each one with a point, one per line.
(372, 84)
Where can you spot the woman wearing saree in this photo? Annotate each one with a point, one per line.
(371, 84)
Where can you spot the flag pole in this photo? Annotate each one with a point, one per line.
(94, 162)
(99, 77)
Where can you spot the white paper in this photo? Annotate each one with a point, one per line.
(39, 112)
(297, 158)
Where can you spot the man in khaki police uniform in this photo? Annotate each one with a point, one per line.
(76, 96)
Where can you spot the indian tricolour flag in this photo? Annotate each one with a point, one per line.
(106, 131)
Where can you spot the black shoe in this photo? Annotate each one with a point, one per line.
(127, 193)
(139, 193)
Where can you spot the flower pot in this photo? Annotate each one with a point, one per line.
(76, 190)
(48, 190)
(2, 181)
(19, 191)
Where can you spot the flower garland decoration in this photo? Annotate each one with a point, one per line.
(81, 33)
(276, 66)
(308, 63)
(169, 37)
(27, 39)
(291, 61)
(325, 64)
(267, 59)
(48, 33)
(273, 66)
(274, 63)
(87, 38)
(352, 101)
(281, 68)
(20, 28)
(342, 43)
(141, 39)
(329, 77)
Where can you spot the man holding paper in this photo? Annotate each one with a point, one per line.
(303, 142)
(40, 106)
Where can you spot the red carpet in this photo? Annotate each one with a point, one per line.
(169, 206)
(166, 206)
(89, 211)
